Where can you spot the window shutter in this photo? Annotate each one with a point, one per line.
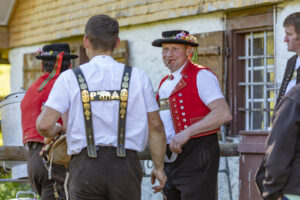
(211, 52)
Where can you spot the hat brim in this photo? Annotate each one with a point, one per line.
(159, 42)
(53, 57)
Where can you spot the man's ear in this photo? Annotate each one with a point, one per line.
(86, 42)
(117, 43)
(189, 50)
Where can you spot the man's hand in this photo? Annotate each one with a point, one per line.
(157, 144)
(178, 141)
(46, 122)
(218, 115)
(161, 177)
(47, 139)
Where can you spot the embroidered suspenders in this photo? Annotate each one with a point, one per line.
(87, 96)
(88, 120)
(123, 111)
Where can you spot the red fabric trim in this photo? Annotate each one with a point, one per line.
(58, 63)
(161, 82)
(207, 133)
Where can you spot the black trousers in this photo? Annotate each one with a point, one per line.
(193, 176)
(38, 174)
(106, 177)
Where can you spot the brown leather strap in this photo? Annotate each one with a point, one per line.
(88, 120)
(123, 111)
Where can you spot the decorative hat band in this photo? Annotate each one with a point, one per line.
(40, 52)
(184, 36)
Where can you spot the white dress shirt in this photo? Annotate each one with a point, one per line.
(104, 73)
(208, 90)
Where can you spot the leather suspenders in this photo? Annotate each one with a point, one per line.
(88, 120)
(123, 111)
(108, 95)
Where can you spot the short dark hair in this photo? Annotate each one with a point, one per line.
(293, 20)
(102, 31)
(48, 65)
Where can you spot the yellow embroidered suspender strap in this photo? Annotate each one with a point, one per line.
(123, 111)
(86, 105)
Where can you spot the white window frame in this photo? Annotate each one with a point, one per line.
(249, 84)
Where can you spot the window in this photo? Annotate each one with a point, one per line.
(250, 59)
(259, 80)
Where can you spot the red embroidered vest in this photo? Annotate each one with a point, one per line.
(185, 105)
(31, 108)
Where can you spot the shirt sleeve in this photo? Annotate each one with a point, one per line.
(59, 98)
(208, 86)
(150, 101)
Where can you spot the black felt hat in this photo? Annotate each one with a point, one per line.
(49, 52)
(177, 37)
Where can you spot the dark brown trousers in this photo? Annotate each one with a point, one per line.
(106, 177)
(38, 174)
(193, 176)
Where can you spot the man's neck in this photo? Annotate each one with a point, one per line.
(93, 53)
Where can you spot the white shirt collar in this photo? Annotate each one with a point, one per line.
(103, 58)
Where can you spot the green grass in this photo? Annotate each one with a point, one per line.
(8, 190)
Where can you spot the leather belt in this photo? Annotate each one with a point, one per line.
(32, 145)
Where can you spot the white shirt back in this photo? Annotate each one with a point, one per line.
(104, 73)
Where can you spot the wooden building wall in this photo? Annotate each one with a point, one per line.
(36, 21)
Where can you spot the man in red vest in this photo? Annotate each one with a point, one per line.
(192, 108)
(56, 58)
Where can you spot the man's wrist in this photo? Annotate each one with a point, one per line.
(160, 168)
(187, 132)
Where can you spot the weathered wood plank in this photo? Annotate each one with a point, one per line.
(13, 153)
(19, 153)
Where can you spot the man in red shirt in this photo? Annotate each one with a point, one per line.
(192, 108)
(56, 58)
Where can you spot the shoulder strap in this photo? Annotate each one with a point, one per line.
(88, 121)
(123, 111)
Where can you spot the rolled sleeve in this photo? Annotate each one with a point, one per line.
(59, 96)
(208, 87)
(150, 101)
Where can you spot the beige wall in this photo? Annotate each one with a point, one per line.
(36, 21)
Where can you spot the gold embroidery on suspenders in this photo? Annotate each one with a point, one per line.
(122, 112)
(86, 106)
(87, 96)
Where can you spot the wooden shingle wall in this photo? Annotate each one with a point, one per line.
(36, 21)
